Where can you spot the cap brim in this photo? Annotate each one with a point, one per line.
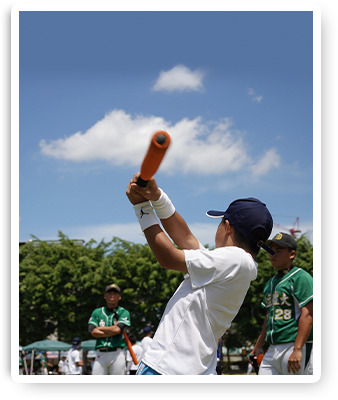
(283, 245)
(112, 290)
(215, 214)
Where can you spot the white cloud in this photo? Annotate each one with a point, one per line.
(258, 99)
(253, 95)
(117, 138)
(269, 160)
(180, 78)
(197, 147)
(251, 92)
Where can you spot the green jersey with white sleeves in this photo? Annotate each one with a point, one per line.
(283, 299)
(105, 317)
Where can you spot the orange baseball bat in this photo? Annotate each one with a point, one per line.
(130, 348)
(158, 146)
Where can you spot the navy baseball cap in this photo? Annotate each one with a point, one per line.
(76, 341)
(147, 330)
(246, 215)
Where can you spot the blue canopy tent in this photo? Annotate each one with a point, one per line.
(45, 345)
(88, 344)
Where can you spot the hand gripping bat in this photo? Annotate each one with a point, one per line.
(256, 362)
(158, 146)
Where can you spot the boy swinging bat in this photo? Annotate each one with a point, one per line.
(216, 281)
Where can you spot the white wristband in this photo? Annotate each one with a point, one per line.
(145, 215)
(163, 206)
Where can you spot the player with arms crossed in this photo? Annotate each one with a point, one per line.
(215, 284)
(106, 324)
(288, 303)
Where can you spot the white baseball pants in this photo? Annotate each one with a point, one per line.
(275, 360)
(110, 363)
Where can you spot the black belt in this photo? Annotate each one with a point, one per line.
(107, 349)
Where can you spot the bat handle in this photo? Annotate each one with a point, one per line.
(141, 182)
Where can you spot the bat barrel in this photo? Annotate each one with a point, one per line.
(161, 140)
(130, 348)
(159, 144)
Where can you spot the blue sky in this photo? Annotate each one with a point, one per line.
(233, 89)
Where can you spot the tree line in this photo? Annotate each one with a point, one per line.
(61, 283)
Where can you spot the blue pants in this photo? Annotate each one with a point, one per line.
(143, 369)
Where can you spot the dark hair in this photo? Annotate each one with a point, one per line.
(132, 338)
(247, 244)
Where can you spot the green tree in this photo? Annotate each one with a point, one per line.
(60, 284)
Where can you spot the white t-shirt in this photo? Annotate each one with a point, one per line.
(200, 311)
(138, 350)
(73, 357)
(145, 342)
(63, 366)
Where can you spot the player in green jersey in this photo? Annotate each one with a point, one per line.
(106, 324)
(288, 303)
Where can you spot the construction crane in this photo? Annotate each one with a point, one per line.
(295, 229)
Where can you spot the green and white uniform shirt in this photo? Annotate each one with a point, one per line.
(105, 317)
(283, 299)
